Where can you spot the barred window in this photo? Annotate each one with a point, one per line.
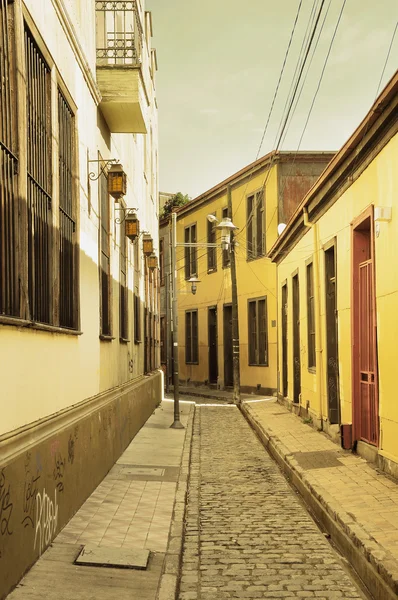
(40, 240)
(105, 265)
(161, 260)
(67, 211)
(258, 335)
(9, 210)
(123, 288)
(137, 319)
(191, 337)
(163, 336)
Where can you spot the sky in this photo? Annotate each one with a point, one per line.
(218, 66)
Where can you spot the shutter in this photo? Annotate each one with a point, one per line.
(262, 335)
(188, 338)
(252, 333)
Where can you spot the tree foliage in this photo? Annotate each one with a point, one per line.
(175, 201)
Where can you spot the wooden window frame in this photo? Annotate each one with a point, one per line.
(123, 285)
(190, 254)
(255, 216)
(211, 252)
(256, 362)
(161, 260)
(191, 347)
(226, 255)
(310, 302)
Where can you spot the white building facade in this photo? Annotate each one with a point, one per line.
(79, 306)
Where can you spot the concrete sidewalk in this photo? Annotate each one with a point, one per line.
(133, 508)
(355, 503)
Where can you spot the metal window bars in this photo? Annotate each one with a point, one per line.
(119, 33)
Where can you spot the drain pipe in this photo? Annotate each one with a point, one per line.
(318, 328)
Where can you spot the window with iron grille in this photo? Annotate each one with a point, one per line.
(163, 346)
(123, 287)
(9, 202)
(40, 242)
(255, 226)
(161, 260)
(105, 266)
(137, 319)
(67, 212)
(191, 337)
(211, 252)
(258, 332)
(226, 256)
(311, 316)
(190, 253)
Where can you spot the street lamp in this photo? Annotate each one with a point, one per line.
(193, 281)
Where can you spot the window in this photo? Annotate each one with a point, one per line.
(311, 316)
(137, 319)
(67, 211)
(258, 333)
(9, 203)
(123, 286)
(211, 252)
(190, 253)
(226, 257)
(105, 264)
(255, 226)
(40, 243)
(161, 260)
(191, 337)
(163, 341)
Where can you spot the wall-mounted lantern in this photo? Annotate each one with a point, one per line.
(147, 244)
(117, 181)
(132, 225)
(194, 284)
(152, 261)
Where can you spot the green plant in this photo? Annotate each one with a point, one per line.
(307, 421)
(175, 201)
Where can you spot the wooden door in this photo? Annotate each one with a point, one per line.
(284, 340)
(296, 340)
(213, 345)
(331, 337)
(365, 380)
(228, 364)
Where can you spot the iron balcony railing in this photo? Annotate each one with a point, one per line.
(119, 33)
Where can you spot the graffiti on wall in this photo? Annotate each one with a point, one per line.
(6, 505)
(46, 519)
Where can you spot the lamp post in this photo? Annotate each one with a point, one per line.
(227, 229)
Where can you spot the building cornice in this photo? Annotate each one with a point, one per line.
(372, 134)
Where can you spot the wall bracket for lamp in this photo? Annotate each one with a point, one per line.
(127, 212)
(106, 164)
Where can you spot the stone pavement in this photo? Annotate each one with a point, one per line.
(247, 533)
(131, 508)
(356, 503)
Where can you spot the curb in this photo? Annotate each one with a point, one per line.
(201, 395)
(377, 569)
(169, 579)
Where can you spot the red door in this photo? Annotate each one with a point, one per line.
(365, 389)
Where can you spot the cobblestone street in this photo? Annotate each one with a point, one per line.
(247, 533)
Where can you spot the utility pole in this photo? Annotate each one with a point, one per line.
(235, 316)
(176, 382)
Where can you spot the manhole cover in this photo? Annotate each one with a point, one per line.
(322, 459)
(120, 558)
(150, 471)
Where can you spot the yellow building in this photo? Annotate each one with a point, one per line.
(264, 193)
(337, 292)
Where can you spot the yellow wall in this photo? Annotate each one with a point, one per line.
(377, 185)
(255, 278)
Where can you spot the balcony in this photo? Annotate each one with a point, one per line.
(119, 66)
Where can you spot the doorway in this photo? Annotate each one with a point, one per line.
(228, 365)
(284, 340)
(213, 345)
(364, 354)
(332, 356)
(296, 340)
